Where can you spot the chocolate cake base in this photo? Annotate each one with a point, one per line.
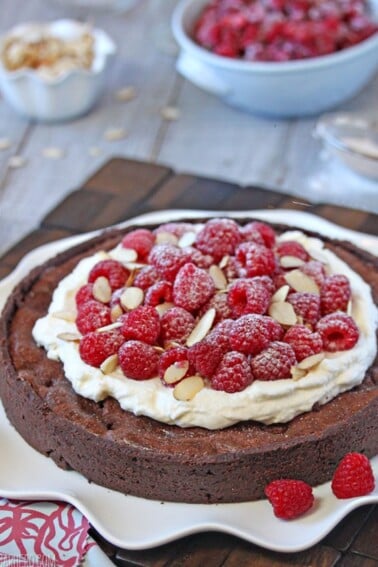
(142, 457)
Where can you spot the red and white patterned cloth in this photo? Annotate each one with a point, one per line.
(42, 534)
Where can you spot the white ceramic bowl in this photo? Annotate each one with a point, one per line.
(283, 89)
(54, 98)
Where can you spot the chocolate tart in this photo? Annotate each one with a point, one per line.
(142, 457)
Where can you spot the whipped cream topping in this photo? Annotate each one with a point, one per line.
(270, 402)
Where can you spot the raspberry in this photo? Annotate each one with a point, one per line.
(303, 341)
(219, 302)
(196, 257)
(205, 356)
(335, 294)
(220, 335)
(169, 357)
(159, 292)
(115, 273)
(91, 316)
(176, 324)
(292, 248)
(192, 287)
(167, 259)
(84, 294)
(338, 331)
(250, 334)
(254, 260)
(116, 297)
(232, 268)
(146, 277)
(94, 347)
(233, 373)
(289, 498)
(306, 305)
(274, 363)
(248, 296)
(178, 229)
(314, 270)
(141, 240)
(256, 230)
(141, 324)
(138, 360)
(218, 238)
(353, 477)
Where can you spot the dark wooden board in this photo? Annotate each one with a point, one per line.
(124, 188)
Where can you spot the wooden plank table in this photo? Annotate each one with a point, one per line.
(124, 188)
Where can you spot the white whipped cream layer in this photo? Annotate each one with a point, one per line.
(270, 402)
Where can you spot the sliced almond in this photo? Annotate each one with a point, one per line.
(134, 265)
(159, 349)
(126, 255)
(132, 297)
(115, 134)
(166, 238)
(5, 144)
(311, 361)
(187, 239)
(319, 255)
(281, 293)
(161, 308)
(283, 312)
(125, 94)
(109, 364)
(202, 328)
(185, 390)
(109, 327)
(301, 282)
(297, 373)
(349, 308)
(176, 371)
(69, 337)
(115, 312)
(291, 262)
(170, 113)
(65, 315)
(218, 277)
(16, 161)
(52, 152)
(101, 290)
(224, 261)
(130, 280)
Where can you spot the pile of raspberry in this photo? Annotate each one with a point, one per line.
(282, 30)
(206, 303)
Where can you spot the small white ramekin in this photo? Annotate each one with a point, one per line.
(66, 96)
(283, 89)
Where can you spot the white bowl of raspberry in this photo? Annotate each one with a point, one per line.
(278, 58)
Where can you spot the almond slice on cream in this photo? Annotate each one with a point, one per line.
(69, 337)
(176, 371)
(126, 255)
(297, 373)
(300, 281)
(291, 262)
(185, 390)
(202, 328)
(109, 364)
(311, 361)
(283, 312)
(281, 293)
(109, 327)
(69, 316)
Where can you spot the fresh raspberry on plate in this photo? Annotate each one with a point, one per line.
(141, 240)
(192, 287)
(248, 295)
(146, 277)
(218, 237)
(260, 233)
(84, 294)
(353, 477)
(274, 362)
(141, 324)
(92, 315)
(254, 260)
(338, 331)
(335, 294)
(289, 498)
(176, 325)
(303, 341)
(250, 334)
(205, 356)
(306, 305)
(138, 360)
(233, 373)
(167, 260)
(113, 271)
(159, 292)
(292, 248)
(95, 347)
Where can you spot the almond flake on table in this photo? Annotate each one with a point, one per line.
(125, 94)
(16, 161)
(114, 134)
(5, 143)
(52, 152)
(170, 113)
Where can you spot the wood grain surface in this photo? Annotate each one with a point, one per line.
(124, 188)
